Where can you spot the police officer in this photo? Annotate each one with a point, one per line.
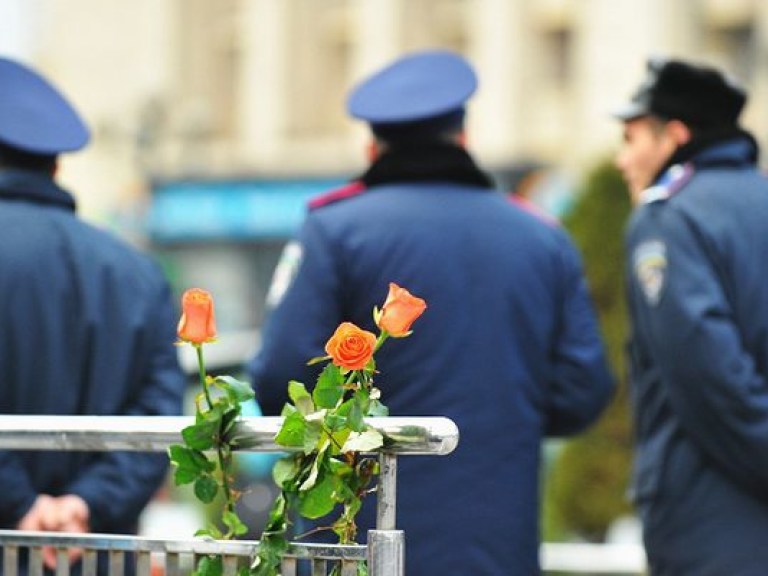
(698, 297)
(87, 327)
(508, 347)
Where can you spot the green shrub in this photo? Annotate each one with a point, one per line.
(585, 486)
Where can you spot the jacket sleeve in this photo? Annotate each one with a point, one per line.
(713, 384)
(117, 485)
(300, 324)
(581, 383)
(16, 487)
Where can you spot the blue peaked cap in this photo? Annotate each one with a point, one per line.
(423, 90)
(34, 116)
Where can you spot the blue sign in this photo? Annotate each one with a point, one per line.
(191, 211)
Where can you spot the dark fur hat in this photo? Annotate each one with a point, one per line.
(699, 96)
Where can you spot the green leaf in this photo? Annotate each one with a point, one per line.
(314, 472)
(297, 392)
(355, 417)
(313, 434)
(213, 413)
(367, 441)
(210, 531)
(206, 489)
(334, 421)
(329, 388)
(237, 390)
(271, 549)
(276, 522)
(376, 408)
(229, 418)
(292, 431)
(184, 476)
(287, 410)
(284, 470)
(344, 409)
(233, 522)
(210, 566)
(339, 468)
(319, 500)
(339, 438)
(185, 457)
(363, 397)
(201, 436)
(189, 464)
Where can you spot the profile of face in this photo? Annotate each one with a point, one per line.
(647, 145)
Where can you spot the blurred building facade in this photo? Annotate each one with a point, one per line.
(187, 90)
(195, 87)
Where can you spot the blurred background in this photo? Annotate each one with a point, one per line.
(214, 121)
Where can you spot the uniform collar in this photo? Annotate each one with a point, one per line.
(738, 151)
(726, 147)
(670, 182)
(436, 162)
(30, 186)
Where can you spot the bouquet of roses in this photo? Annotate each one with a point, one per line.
(325, 430)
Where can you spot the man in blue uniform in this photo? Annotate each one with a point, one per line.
(508, 347)
(87, 327)
(698, 296)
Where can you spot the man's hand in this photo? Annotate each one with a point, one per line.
(68, 513)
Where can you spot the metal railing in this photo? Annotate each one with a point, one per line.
(384, 551)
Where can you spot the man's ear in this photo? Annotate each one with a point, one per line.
(372, 150)
(679, 132)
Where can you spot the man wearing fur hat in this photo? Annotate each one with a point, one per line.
(698, 300)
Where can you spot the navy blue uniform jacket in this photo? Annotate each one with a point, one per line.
(699, 301)
(508, 348)
(87, 328)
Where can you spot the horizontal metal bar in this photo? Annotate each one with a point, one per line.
(121, 543)
(408, 435)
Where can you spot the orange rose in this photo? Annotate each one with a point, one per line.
(400, 310)
(351, 347)
(197, 324)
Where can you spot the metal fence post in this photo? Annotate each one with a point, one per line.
(386, 553)
(386, 498)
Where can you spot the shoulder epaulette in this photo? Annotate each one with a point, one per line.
(531, 208)
(349, 190)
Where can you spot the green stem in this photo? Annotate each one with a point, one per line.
(223, 460)
(380, 340)
(350, 378)
(201, 370)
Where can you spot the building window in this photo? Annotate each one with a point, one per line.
(735, 47)
(557, 45)
(435, 23)
(318, 62)
(209, 63)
